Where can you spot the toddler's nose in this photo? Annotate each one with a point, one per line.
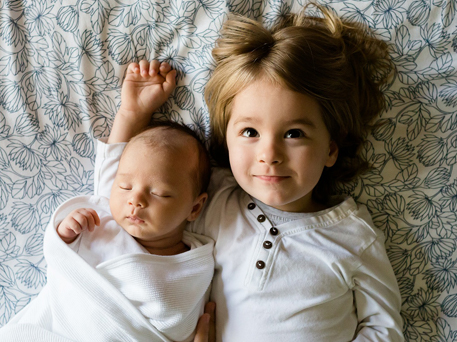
(269, 152)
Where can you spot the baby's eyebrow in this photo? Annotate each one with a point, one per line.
(123, 174)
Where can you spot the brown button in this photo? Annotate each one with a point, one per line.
(267, 245)
(261, 218)
(274, 231)
(260, 264)
(251, 206)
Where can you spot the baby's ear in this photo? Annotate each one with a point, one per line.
(332, 154)
(198, 206)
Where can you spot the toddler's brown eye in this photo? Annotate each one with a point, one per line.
(250, 133)
(294, 133)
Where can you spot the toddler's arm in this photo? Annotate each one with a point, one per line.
(77, 221)
(146, 87)
(377, 297)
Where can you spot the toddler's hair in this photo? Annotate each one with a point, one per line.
(202, 173)
(339, 64)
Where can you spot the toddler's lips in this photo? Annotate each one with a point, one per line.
(135, 219)
(272, 179)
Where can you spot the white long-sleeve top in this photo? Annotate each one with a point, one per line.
(325, 277)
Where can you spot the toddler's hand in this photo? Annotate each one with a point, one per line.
(77, 221)
(146, 87)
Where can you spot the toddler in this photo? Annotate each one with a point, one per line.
(290, 108)
(136, 242)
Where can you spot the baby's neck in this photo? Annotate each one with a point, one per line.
(178, 248)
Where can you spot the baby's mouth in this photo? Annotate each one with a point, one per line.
(135, 219)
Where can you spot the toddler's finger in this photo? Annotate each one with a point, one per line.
(154, 67)
(144, 67)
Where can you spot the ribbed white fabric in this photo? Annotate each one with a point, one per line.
(129, 297)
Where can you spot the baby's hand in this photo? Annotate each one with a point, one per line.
(77, 221)
(146, 87)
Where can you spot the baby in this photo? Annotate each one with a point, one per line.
(159, 186)
(136, 274)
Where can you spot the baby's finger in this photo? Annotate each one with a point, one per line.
(144, 67)
(170, 82)
(74, 225)
(81, 219)
(133, 68)
(93, 219)
(164, 68)
(154, 67)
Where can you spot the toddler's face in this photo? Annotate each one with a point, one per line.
(153, 193)
(278, 145)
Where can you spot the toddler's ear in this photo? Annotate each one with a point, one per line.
(332, 154)
(198, 206)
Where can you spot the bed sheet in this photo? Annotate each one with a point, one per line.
(61, 68)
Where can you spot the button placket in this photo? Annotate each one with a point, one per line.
(263, 254)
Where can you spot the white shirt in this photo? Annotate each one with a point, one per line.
(326, 277)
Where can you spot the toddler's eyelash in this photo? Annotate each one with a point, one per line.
(301, 133)
(244, 130)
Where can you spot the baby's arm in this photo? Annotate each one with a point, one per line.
(146, 87)
(76, 222)
(377, 297)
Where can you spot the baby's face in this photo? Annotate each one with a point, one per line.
(153, 193)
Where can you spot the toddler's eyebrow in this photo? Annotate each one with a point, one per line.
(301, 121)
(245, 119)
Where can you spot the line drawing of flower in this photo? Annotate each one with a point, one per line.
(39, 17)
(120, 46)
(435, 38)
(389, 13)
(62, 112)
(421, 206)
(400, 152)
(449, 196)
(432, 150)
(91, 47)
(53, 142)
(12, 32)
(11, 97)
(418, 12)
(442, 276)
(423, 305)
(68, 18)
(29, 274)
(23, 155)
(24, 217)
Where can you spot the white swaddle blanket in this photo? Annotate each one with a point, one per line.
(131, 297)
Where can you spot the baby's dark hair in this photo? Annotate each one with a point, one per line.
(202, 172)
(339, 64)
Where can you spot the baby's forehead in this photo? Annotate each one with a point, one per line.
(169, 143)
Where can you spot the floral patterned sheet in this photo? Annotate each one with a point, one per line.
(61, 67)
